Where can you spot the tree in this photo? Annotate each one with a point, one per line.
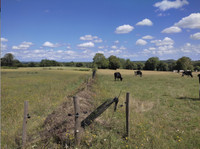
(79, 64)
(162, 66)
(129, 64)
(31, 64)
(7, 60)
(184, 63)
(122, 63)
(114, 62)
(47, 63)
(151, 63)
(140, 65)
(100, 61)
(172, 66)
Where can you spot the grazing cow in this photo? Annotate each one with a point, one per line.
(138, 73)
(187, 73)
(117, 75)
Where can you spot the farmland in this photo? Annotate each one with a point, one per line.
(164, 107)
(44, 88)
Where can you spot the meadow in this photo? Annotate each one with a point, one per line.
(164, 107)
(164, 111)
(43, 88)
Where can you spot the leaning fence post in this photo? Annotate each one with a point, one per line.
(24, 124)
(127, 114)
(77, 121)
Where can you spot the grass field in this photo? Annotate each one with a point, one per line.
(164, 111)
(44, 88)
(164, 107)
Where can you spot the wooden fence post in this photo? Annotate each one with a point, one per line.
(24, 124)
(93, 74)
(127, 114)
(77, 121)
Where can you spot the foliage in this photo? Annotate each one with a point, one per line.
(152, 63)
(31, 64)
(114, 62)
(79, 64)
(162, 66)
(47, 63)
(100, 60)
(139, 65)
(184, 63)
(9, 60)
(129, 65)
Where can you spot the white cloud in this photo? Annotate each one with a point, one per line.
(68, 47)
(195, 36)
(116, 41)
(101, 52)
(95, 39)
(124, 29)
(147, 37)
(114, 47)
(162, 47)
(173, 29)
(4, 39)
(86, 45)
(88, 37)
(166, 41)
(189, 48)
(69, 52)
(165, 4)
(152, 48)
(101, 47)
(192, 21)
(145, 22)
(51, 45)
(122, 48)
(141, 42)
(98, 40)
(3, 47)
(23, 46)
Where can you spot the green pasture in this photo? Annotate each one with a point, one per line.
(44, 88)
(164, 112)
(164, 107)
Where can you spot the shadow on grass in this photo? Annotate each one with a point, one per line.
(188, 98)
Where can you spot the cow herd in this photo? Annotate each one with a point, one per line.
(118, 76)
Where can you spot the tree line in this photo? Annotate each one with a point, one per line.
(112, 62)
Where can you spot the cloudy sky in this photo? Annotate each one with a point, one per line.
(74, 30)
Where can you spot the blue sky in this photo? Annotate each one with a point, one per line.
(74, 30)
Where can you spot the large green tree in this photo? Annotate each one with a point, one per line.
(7, 60)
(114, 62)
(100, 61)
(184, 63)
(162, 66)
(152, 63)
(139, 65)
(130, 65)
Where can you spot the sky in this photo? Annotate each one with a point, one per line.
(75, 30)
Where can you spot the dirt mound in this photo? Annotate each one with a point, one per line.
(59, 125)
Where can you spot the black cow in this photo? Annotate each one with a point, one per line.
(187, 73)
(138, 73)
(117, 75)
